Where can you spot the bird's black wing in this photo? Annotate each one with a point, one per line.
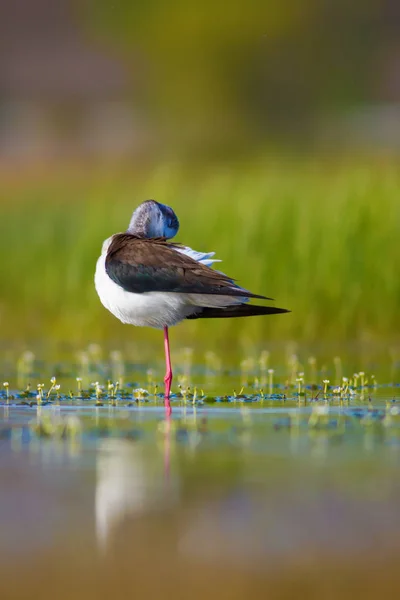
(154, 265)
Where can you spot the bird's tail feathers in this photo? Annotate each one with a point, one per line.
(239, 310)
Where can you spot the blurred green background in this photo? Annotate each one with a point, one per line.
(272, 128)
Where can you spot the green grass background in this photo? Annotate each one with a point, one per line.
(321, 237)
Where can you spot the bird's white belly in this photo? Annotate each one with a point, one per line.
(149, 309)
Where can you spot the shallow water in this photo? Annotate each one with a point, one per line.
(103, 495)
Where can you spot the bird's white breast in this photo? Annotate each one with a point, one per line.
(155, 309)
(149, 309)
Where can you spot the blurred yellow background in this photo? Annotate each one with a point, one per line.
(272, 128)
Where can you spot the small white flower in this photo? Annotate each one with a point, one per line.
(140, 393)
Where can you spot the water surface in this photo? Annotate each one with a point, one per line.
(239, 490)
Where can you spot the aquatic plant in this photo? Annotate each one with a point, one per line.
(270, 379)
(300, 381)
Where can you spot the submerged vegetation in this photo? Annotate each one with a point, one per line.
(317, 400)
(320, 238)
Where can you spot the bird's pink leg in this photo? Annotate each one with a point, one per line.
(168, 374)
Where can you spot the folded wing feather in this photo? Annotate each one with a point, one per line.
(205, 258)
(154, 265)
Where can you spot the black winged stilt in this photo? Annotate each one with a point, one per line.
(147, 281)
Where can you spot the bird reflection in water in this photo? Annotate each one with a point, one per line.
(132, 479)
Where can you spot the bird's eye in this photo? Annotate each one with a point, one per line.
(170, 223)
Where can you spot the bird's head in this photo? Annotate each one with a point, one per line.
(152, 220)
